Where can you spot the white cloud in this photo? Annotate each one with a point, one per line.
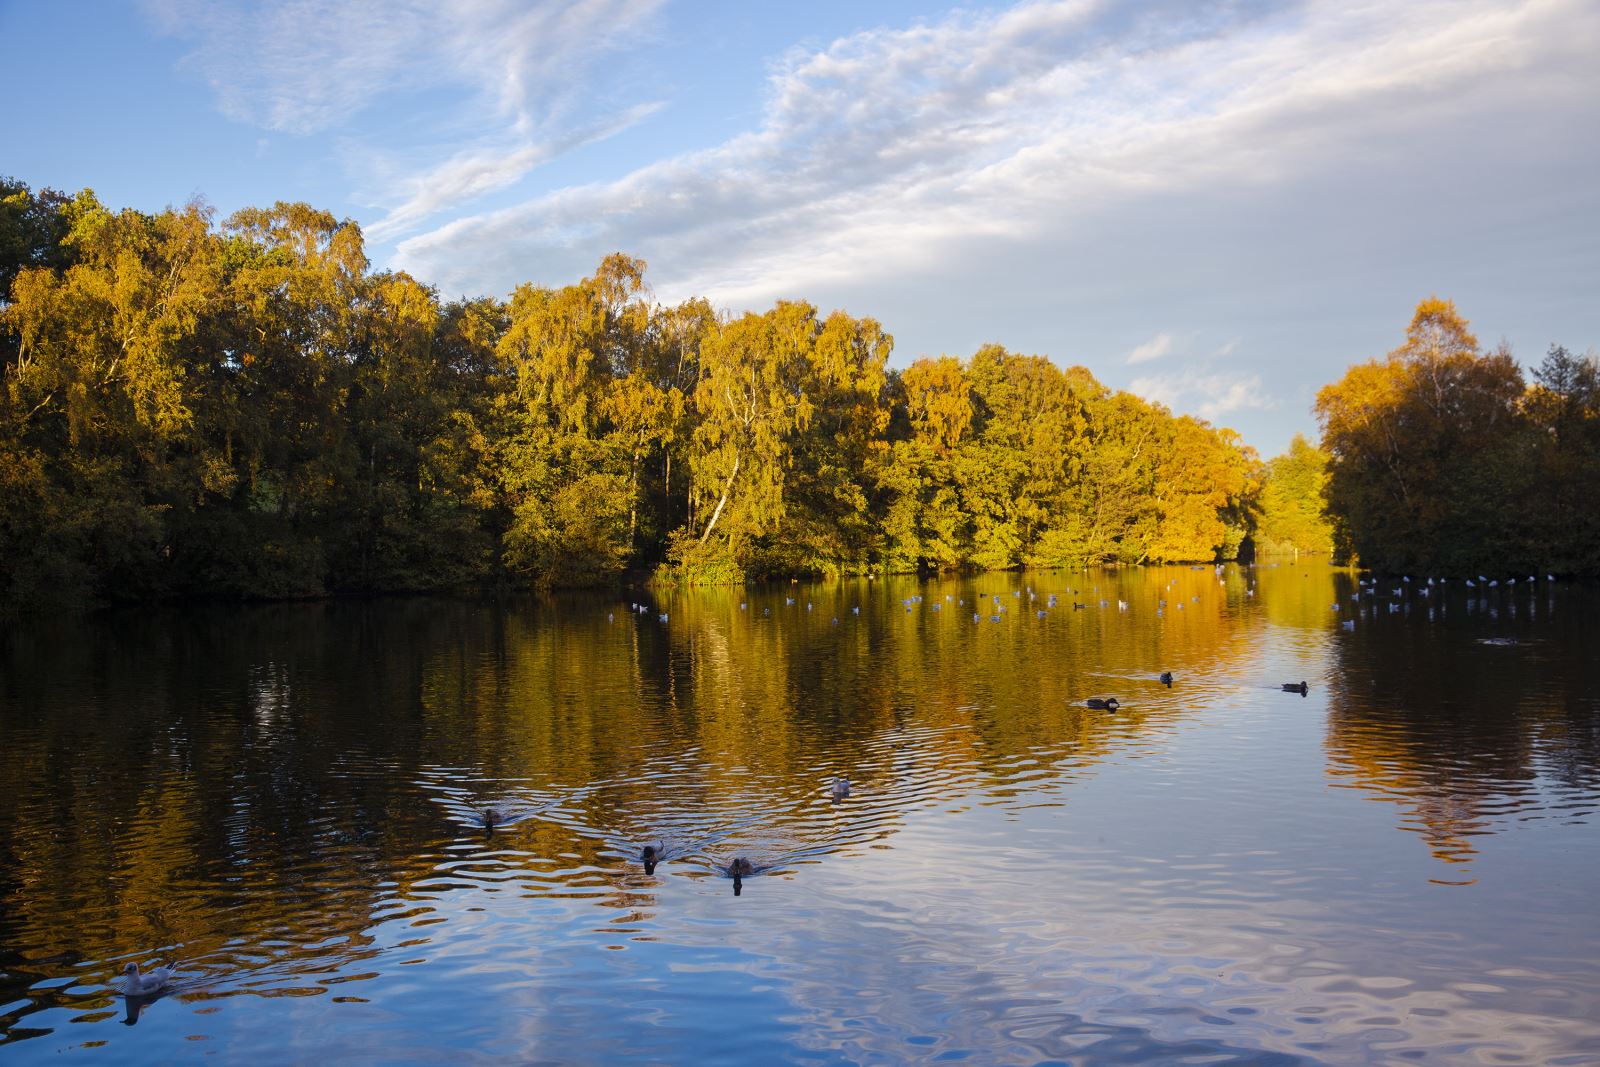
(516, 69)
(877, 153)
(1208, 395)
(1155, 348)
(479, 171)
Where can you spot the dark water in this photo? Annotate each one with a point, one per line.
(1400, 866)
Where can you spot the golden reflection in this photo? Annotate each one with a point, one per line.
(272, 790)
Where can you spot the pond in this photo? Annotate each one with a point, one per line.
(1399, 864)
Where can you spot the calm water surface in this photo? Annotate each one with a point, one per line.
(1399, 867)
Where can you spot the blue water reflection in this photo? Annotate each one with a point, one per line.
(1397, 866)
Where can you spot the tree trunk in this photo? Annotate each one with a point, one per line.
(726, 489)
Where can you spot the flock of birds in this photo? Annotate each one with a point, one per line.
(1373, 591)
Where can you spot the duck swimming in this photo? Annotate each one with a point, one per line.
(134, 984)
(738, 870)
(1108, 704)
(1166, 679)
(651, 855)
(840, 789)
(493, 817)
(1292, 687)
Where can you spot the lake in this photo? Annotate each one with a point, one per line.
(1400, 865)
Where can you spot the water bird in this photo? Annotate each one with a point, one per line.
(663, 616)
(855, 611)
(651, 855)
(493, 817)
(134, 984)
(1294, 687)
(1108, 704)
(739, 870)
(1166, 679)
(840, 789)
(1122, 605)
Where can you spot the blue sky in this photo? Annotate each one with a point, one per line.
(1219, 206)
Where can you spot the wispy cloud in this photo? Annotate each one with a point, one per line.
(886, 147)
(1155, 348)
(474, 173)
(1208, 395)
(512, 71)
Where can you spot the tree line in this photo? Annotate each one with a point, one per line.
(1442, 458)
(244, 408)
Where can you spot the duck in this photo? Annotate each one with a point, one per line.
(1296, 687)
(1108, 704)
(651, 855)
(1166, 679)
(840, 789)
(134, 984)
(493, 817)
(739, 870)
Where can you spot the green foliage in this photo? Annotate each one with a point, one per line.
(1293, 499)
(247, 409)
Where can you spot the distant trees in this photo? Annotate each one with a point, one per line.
(1292, 501)
(1009, 460)
(245, 408)
(1441, 458)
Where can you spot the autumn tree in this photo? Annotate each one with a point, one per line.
(1293, 501)
(1427, 461)
(749, 402)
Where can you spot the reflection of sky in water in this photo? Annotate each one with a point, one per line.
(290, 799)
